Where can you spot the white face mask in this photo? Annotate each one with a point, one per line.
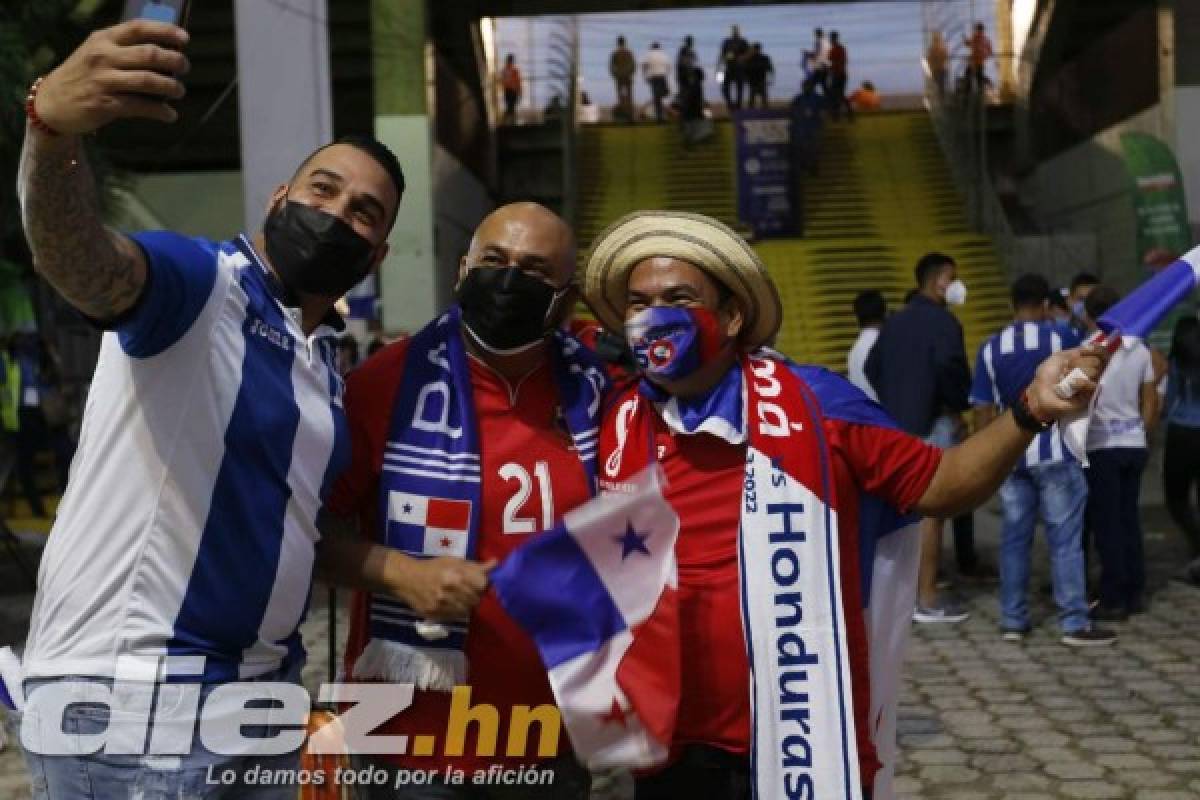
(956, 293)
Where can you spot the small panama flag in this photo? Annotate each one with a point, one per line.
(1134, 317)
(1143, 308)
(598, 594)
(431, 526)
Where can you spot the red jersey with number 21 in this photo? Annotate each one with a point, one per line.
(531, 476)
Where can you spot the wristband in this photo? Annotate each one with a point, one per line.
(1025, 419)
(31, 109)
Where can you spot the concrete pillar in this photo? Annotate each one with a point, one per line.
(1183, 25)
(284, 108)
(1006, 59)
(403, 72)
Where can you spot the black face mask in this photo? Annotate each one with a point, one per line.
(313, 252)
(505, 309)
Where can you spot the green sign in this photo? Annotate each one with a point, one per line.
(1160, 208)
(1158, 199)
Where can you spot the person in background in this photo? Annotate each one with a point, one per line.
(623, 66)
(980, 50)
(694, 126)
(685, 62)
(938, 57)
(1058, 313)
(866, 98)
(1181, 455)
(1077, 291)
(759, 72)
(510, 83)
(1126, 410)
(817, 61)
(31, 379)
(731, 62)
(1046, 479)
(919, 370)
(655, 68)
(838, 60)
(347, 354)
(870, 309)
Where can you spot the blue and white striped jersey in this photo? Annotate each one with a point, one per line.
(1005, 366)
(212, 429)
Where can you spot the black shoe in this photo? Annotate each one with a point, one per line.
(1089, 637)
(1102, 613)
(1014, 634)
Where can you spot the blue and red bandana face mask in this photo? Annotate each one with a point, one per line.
(670, 343)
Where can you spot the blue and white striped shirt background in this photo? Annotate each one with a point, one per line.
(1005, 366)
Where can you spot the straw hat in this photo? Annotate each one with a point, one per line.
(696, 239)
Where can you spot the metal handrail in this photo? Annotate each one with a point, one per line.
(962, 133)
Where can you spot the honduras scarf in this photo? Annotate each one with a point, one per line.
(803, 719)
(429, 489)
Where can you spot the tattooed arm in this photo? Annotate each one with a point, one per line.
(97, 270)
(116, 73)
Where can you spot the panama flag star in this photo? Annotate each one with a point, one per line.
(632, 542)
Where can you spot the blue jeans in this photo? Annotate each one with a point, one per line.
(1059, 492)
(198, 775)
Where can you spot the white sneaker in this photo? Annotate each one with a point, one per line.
(942, 611)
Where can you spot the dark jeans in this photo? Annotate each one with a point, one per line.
(703, 772)
(624, 108)
(658, 91)
(510, 105)
(732, 89)
(700, 772)
(837, 97)
(1114, 484)
(1181, 481)
(976, 78)
(964, 544)
(759, 90)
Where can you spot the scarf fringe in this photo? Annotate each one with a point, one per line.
(427, 668)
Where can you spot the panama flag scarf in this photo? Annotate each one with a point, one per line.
(429, 490)
(800, 694)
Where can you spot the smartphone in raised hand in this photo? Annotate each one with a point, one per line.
(174, 12)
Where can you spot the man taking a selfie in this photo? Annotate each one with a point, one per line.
(183, 549)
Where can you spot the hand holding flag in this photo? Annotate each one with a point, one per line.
(1133, 317)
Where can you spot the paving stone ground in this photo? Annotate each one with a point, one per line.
(980, 718)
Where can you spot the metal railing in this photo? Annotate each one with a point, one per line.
(961, 128)
(960, 123)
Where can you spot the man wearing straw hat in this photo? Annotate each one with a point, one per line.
(781, 475)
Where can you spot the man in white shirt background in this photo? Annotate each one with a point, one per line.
(655, 68)
(1126, 409)
(870, 308)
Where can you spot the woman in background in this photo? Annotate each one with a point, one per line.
(1181, 458)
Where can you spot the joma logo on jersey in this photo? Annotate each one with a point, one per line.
(275, 337)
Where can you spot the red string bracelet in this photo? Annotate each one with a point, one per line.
(31, 109)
